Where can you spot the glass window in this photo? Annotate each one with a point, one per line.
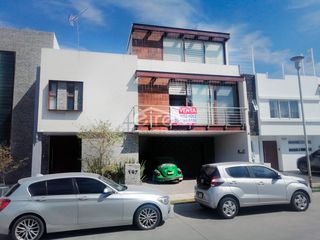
(90, 186)
(214, 53)
(65, 95)
(38, 189)
(263, 172)
(274, 109)
(238, 172)
(12, 190)
(200, 100)
(284, 109)
(294, 109)
(225, 96)
(60, 186)
(194, 52)
(52, 95)
(113, 184)
(173, 50)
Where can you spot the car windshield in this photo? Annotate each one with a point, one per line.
(113, 184)
(167, 165)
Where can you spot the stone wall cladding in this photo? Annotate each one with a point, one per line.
(27, 47)
(251, 95)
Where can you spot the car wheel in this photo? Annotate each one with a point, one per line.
(28, 227)
(147, 217)
(300, 201)
(228, 208)
(303, 168)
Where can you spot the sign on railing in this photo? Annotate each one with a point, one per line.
(158, 115)
(183, 115)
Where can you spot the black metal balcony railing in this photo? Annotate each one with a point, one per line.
(168, 116)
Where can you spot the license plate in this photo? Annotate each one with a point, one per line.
(199, 194)
(169, 173)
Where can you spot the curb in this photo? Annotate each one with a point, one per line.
(316, 189)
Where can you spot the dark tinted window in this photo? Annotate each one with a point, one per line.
(207, 172)
(238, 172)
(38, 189)
(89, 186)
(12, 190)
(262, 172)
(60, 186)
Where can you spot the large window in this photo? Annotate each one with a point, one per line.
(7, 64)
(263, 172)
(90, 186)
(284, 109)
(62, 186)
(65, 95)
(238, 172)
(194, 51)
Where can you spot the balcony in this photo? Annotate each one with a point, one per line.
(161, 118)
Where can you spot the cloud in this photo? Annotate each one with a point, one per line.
(310, 22)
(177, 13)
(299, 4)
(92, 12)
(59, 10)
(308, 12)
(241, 42)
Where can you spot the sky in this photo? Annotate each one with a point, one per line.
(276, 30)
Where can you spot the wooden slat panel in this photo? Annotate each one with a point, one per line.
(155, 36)
(189, 76)
(161, 81)
(138, 34)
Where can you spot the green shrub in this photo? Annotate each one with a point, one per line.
(114, 171)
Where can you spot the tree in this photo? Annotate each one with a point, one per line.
(7, 163)
(99, 139)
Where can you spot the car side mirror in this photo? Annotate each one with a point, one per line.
(107, 191)
(278, 176)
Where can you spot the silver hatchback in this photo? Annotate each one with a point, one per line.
(72, 201)
(229, 186)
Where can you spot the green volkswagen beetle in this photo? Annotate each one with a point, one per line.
(166, 170)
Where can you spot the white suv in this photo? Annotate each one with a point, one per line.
(228, 186)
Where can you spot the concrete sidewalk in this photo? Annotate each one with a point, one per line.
(177, 191)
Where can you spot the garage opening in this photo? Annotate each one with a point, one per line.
(190, 153)
(64, 154)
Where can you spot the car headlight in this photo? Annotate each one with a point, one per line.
(303, 182)
(164, 200)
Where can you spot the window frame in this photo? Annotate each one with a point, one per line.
(250, 168)
(203, 43)
(278, 109)
(245, 167)
(93, 179)
(68, 95)
(62, 178)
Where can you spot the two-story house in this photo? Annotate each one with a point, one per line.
(281, 141)
(174, 94)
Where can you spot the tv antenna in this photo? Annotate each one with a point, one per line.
(74, 21)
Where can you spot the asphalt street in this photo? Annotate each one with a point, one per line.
(190, 221)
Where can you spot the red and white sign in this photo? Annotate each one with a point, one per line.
(183, 115)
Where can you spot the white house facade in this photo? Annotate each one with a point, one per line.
(173, 94)
(281, 140)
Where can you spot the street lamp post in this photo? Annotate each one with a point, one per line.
(297, 63)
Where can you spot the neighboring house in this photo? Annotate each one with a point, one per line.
(281, 141)
(174, 94)
(20, 52)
